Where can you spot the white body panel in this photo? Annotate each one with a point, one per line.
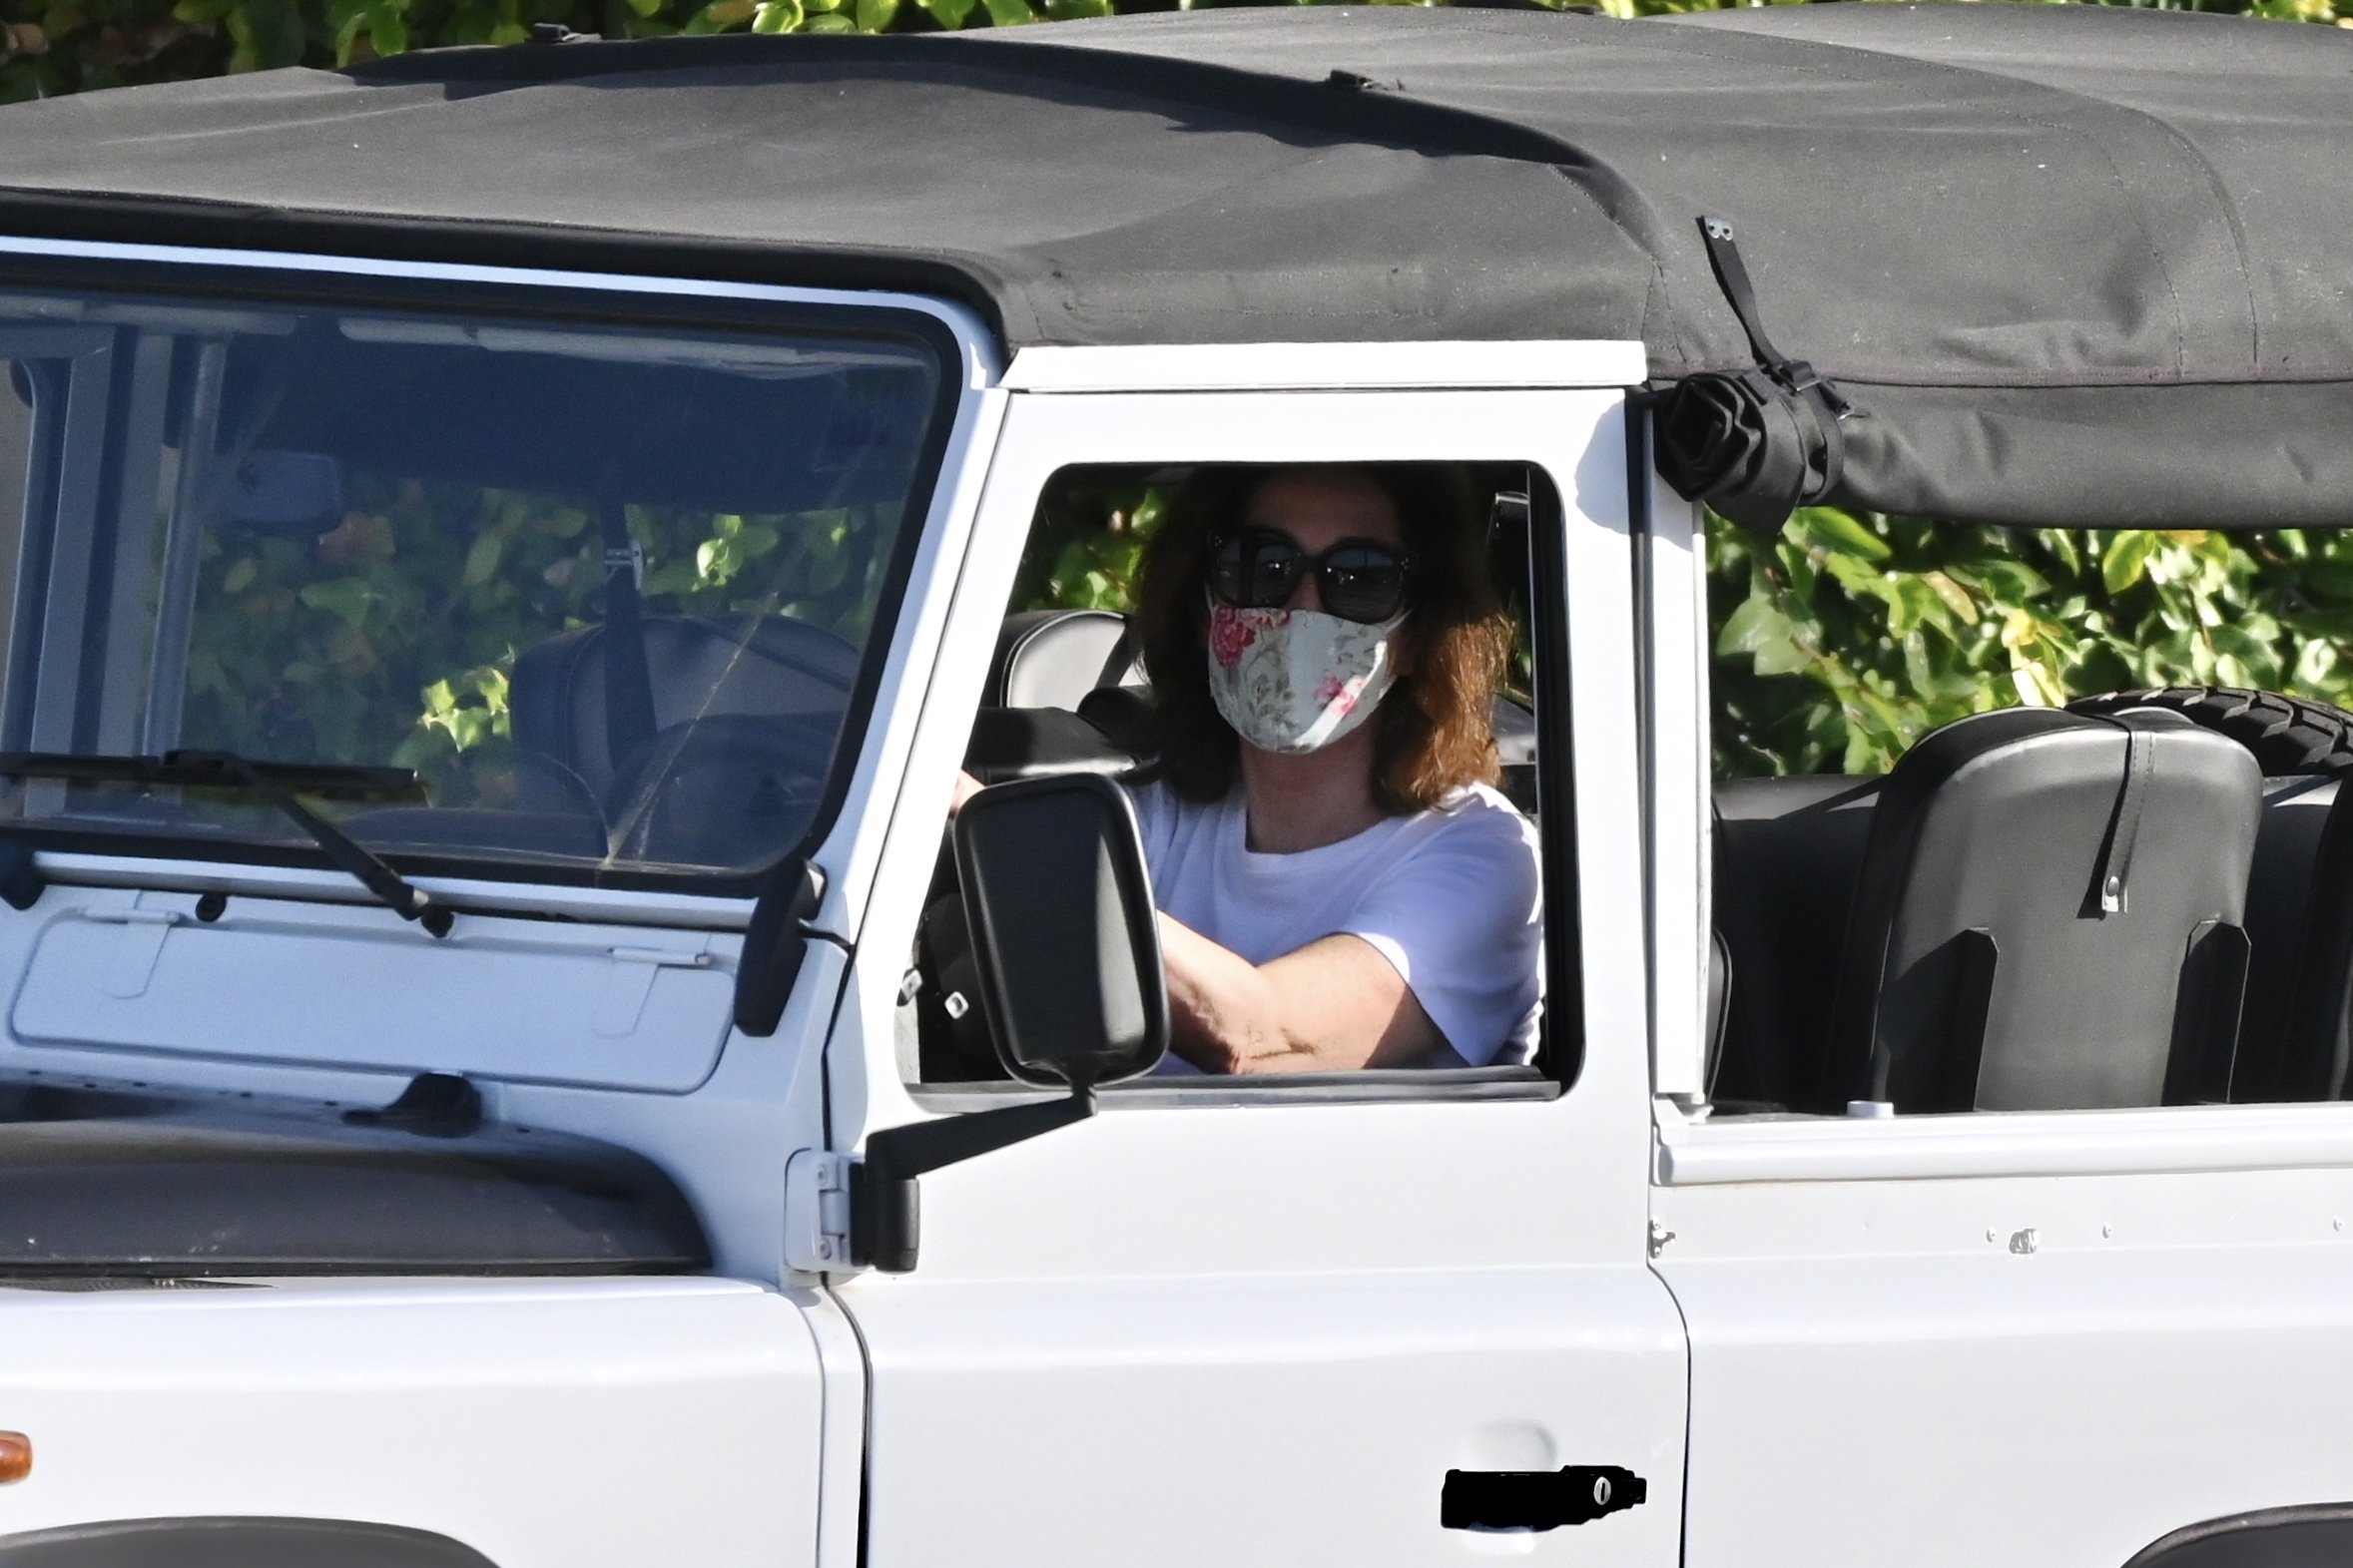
(2040, 1368)
(1218, 1326)
(545, 1423)
(1674, 616)
(515, 1000)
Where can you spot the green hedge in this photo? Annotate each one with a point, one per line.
(1847, 637)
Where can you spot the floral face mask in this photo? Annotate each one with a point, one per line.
(1295, 680)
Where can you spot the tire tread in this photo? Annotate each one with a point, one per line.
(2287, 735)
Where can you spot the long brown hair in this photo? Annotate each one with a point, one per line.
(1434, 732)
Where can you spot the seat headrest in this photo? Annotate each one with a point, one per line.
(2043, 901)
(1053, 658)
(698, 667)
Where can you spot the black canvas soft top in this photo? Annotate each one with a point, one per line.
(2062, 265)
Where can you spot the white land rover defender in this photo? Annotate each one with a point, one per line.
(555, 1121)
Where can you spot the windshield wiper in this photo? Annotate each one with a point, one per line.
(275, 783)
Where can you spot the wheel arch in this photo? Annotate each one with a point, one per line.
(2305, 1535)
(246, 1542)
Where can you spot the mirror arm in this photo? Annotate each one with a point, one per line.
(773, 945)
(885, 1204)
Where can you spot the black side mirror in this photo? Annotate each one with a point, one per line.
(1065, 933)
(290, 493)
(1066, 943)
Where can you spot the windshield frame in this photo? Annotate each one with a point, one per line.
(947, 333)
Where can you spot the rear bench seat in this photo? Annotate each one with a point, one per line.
(1789, 851)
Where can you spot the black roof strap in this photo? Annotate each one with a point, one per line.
(1755, 444)
(1723, 255)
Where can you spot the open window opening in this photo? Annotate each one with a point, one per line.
(2023, 820)
(1071, 688)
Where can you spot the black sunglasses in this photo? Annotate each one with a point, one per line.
(1258, 569)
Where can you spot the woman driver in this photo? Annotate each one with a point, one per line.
(1340, 884)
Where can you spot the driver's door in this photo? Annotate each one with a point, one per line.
(1240, 1323)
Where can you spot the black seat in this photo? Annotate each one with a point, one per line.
(1787, 851)
(2295, 930)
(697, 668)
(2309, 1059)
(2049, 917)
(729, 761)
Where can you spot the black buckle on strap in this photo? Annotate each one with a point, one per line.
(1797, 376)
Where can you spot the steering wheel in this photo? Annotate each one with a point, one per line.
(719, 789)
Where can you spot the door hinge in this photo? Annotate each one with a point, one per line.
(817, 1211)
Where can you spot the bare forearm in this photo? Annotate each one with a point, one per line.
(1224, 1017)
(1334, 1005)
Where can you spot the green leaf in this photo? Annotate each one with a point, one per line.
(2125, 559)
(1767, 635)
(423, 745)
(1952, 594)
(1839, 533)
(268, 33)
(1756, 616)
(836, 23)
(875, 16)
(387, 29)
(469, 727)
(1859, 577)
(777, 16)
(1011, 13)
(2314, 665)
(481, 560)
(676, 577)
(2013, 581)
(348, 34)
(346, 598)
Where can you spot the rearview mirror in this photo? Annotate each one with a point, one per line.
(1064, 934)
(293, 493)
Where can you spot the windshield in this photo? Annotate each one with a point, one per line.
(605, 592)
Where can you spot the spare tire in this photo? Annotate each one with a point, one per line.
(2287, 735)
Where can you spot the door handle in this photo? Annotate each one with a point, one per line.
(1537, 1499)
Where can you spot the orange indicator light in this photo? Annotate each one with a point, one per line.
(16, 1456)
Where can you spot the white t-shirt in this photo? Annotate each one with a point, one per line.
(1451, 896)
